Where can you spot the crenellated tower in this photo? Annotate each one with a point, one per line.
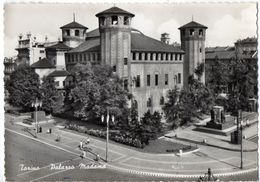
(193, 37)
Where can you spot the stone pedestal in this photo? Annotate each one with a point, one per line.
(40, 116)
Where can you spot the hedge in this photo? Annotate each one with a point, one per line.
(124, 138)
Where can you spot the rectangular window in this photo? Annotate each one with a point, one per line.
(68, 58)
(125, 61)
(85, 57)
(171, 57)
(148, 80)
(156, 79)
(180, 57)
(137, 83)
(151, 56)
(80, 57)
(156, 56)
(57, 83)
(41, 51)
(140, 56)
(114, 68)
(145, 56)
(176, 57)
(179, 78)
(166, 79)
(98, 56)
(68, 32)
(161, 56)
(125, 84)
(134, 56)
(94, 56)
(167, 56)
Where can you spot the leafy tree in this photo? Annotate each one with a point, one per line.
(149, 128)
(96, 90)
(219, 77)
(243, 79)
(23, 87)
(182, 106)
(172, 107)
(52, 99)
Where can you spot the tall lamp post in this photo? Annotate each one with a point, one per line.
(107, 119)
(37, 103)
(240, 127)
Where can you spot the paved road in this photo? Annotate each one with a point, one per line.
(20, 148)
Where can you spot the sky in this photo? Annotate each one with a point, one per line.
(226, 22)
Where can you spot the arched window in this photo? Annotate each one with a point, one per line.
(76, 32)
(149, 102)
(162, 101)
(200, 32)
(68, 32)
(192, 31)
(114, 20)
(102, 21)
(126, 20)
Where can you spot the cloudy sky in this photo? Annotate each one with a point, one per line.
(226, 22)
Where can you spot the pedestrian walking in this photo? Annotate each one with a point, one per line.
(81, 145)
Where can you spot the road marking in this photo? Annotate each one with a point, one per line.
(48, 166)
(172, 162)
(49, 175)
(44, 142)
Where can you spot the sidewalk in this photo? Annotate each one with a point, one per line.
(222, 142)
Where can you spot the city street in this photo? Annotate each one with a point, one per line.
(44, 151)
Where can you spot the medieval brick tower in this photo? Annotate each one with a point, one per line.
(115, 41)
(193, 43)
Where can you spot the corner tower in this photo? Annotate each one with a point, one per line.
(193, 37)
(73, 34)
(115, 41)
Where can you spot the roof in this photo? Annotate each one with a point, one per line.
(60, 46)
(193, 24)
(89, 45)
(57, 73)
(74, 25)
(220, 55)
(93, 33)
(43, 63)
(115, 10)
(140, 42)
(219, 48)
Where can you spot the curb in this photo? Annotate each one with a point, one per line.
(216, 146)
(168, 175)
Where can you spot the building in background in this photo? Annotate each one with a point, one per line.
(244, 50)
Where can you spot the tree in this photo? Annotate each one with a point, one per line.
(219, 77)
(243, 79)
(52, 98)
(182, 106)
(23, 87)
(97, 90)
(172, 108)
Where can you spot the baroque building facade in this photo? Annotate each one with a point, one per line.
(148, 67)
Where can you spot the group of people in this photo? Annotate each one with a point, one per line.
(83, 144)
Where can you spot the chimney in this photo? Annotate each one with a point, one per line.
(165, 38)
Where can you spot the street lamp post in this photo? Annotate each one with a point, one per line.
(107, 119)
(240, 127)
(36, 104)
